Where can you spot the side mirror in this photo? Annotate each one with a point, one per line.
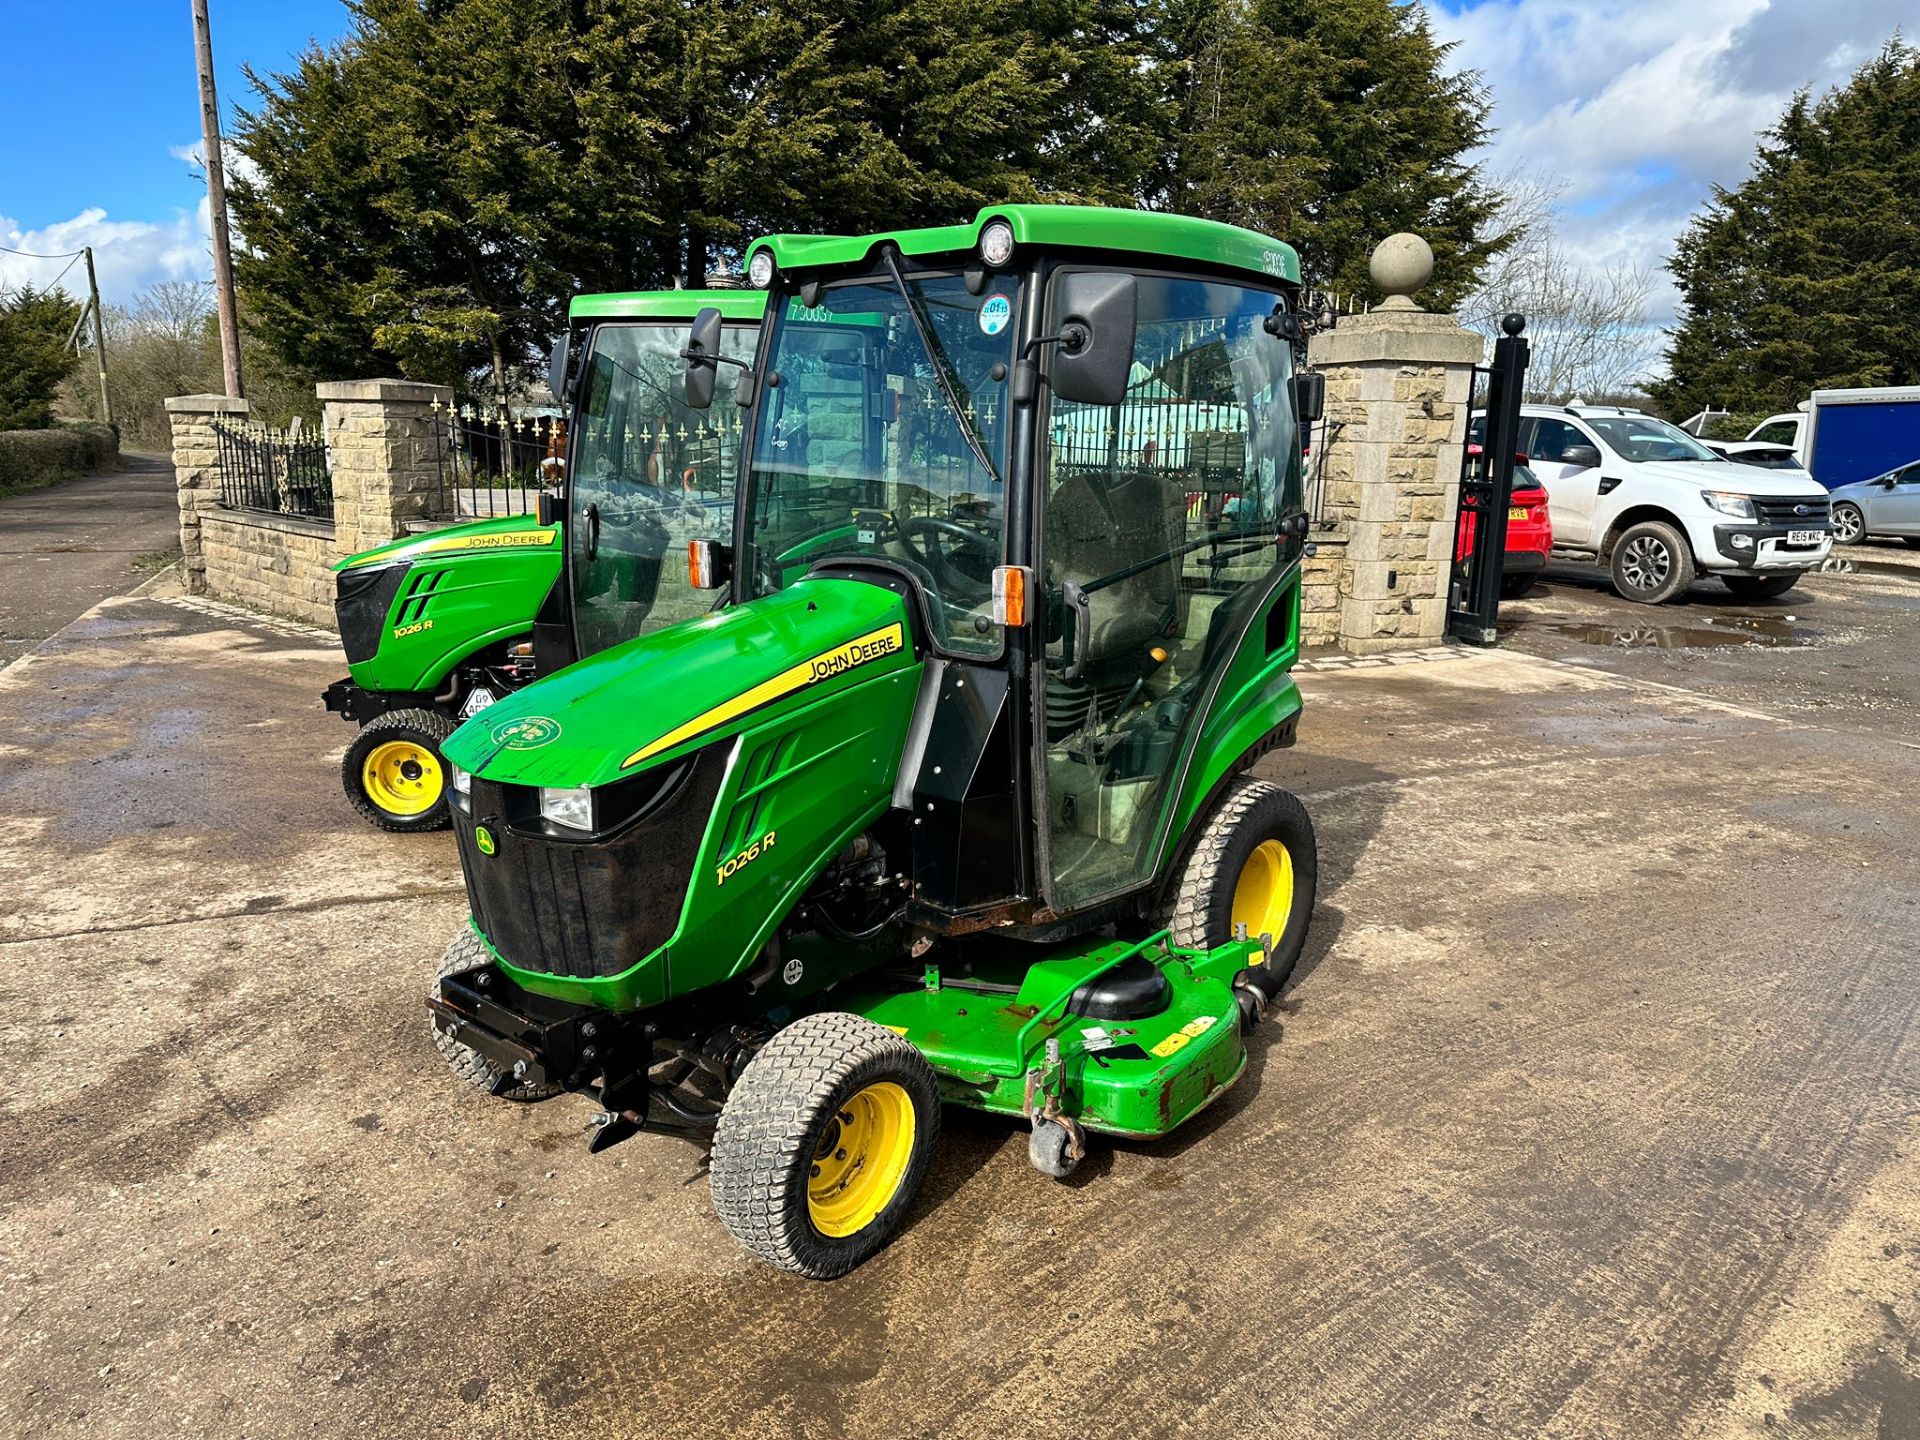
(702, 356)
(1098, 315)
(1309, 396)
(557, 368)
(546, 509)
(1581, 457)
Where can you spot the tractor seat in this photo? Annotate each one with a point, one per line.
(1100, 522)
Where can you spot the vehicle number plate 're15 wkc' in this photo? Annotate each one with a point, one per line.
(1805, 537)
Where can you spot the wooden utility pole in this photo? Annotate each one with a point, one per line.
(99, 339)
(217, 202)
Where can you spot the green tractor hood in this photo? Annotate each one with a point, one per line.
(509, 532)
(663, 694)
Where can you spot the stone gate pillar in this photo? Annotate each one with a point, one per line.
(195, 472)
(1399, 384)
(384, 455)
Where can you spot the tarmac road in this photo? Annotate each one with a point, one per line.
(1595, 1109)
(69, 546)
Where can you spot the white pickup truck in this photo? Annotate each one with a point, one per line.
(1658, 508)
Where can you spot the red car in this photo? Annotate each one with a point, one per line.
(1529, 532)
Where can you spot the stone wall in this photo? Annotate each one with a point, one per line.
(275, 563)
(383, 457)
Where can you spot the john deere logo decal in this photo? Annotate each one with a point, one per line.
(483, 839)
(529, 732)
(861, 650)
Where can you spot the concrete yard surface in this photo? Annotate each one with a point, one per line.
(1594, 1109)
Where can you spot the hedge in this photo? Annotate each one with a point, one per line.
(31, 458)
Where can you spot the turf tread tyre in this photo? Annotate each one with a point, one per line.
(1198, 906)
(1759, 587)
(468, 953)
(1680, 572)
(428, 727)
(764, 1143)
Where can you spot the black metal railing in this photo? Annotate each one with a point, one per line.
(274, 472)
(492, 462)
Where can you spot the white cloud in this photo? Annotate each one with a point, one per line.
(128, 255)
(1636, 109)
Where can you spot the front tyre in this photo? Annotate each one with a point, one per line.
(1256, 864)
(1652, 563)
(393, 771)
(468, 953)
(1849, 525)
(823, 1144)
(1759, 587)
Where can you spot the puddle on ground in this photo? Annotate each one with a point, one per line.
(1837, 564)
(1763, 630)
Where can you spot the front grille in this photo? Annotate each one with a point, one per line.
(593, 908)
(1806, 511)
(362, 597)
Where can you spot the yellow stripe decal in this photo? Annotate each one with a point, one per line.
(824, 666)
(511, 540)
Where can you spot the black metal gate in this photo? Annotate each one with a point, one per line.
(278, 472)
(1486, 489)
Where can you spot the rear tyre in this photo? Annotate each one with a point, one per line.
(823, 1144)
(393, 771)
(1652, 563)
(468, 953)
(1512, 587)
(1255, 864)
(1849, 525)
(1759, 587)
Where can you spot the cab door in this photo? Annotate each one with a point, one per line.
(1160, 520)
(649, 474)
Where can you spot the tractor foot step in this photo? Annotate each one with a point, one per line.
(609, 1128)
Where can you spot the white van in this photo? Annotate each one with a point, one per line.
(1657, 507)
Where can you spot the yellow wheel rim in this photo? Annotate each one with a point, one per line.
(1263, 895)
(402, 778)
(860, 1160)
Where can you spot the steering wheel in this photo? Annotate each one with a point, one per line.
(954, 584)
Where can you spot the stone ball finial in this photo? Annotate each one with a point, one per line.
(1401, 264)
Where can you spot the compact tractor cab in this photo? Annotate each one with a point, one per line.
(438, 626)
(948, 801)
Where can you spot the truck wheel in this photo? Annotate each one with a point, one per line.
(467, 953)
(823, 1144)
(393, 771)
(1849, 525)
(1652, 563)
(1255, 864)
(1759, 587)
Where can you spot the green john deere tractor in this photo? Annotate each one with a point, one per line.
(947, 802)
(438, 626)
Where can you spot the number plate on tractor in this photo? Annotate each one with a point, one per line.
(1804, 537)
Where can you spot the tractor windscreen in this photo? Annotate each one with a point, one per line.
(650, 474)
(859, 451)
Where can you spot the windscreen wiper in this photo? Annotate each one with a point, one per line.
(938, 358)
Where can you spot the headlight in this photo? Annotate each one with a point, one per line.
(760, 269)
(462, 781)
(1740, 507)
(571, 808)
(996, 243)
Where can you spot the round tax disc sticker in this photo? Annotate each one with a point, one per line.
(995, 312)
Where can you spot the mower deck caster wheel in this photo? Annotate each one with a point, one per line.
(1051, 1149)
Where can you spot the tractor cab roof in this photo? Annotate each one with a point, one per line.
(668, 305)
(1080, 227)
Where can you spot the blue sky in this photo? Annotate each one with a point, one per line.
(1628, 112)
